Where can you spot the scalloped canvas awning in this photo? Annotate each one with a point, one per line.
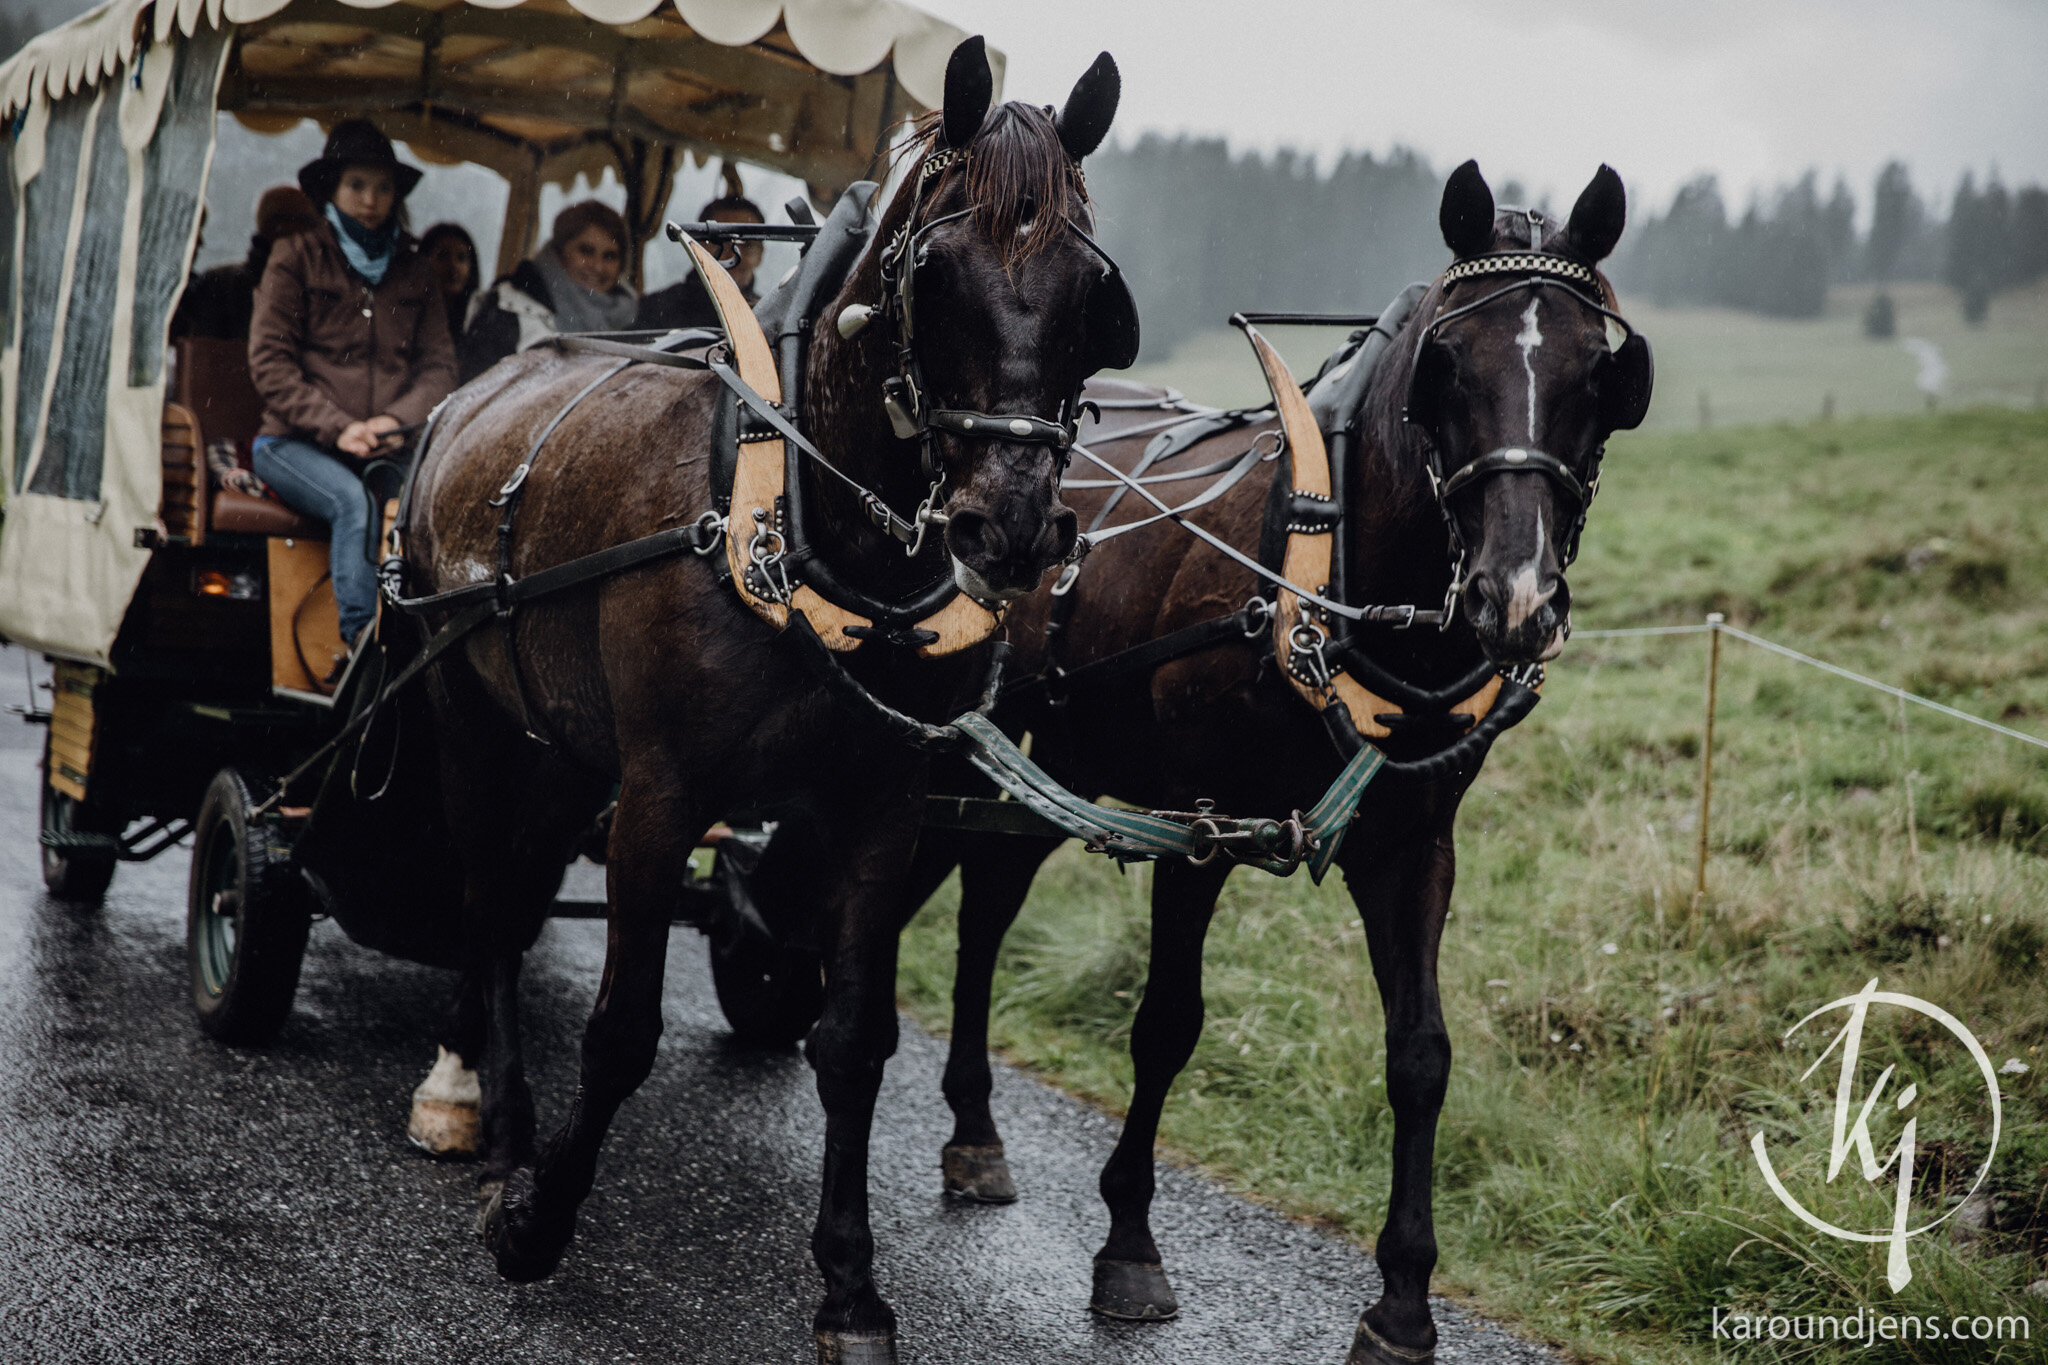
(547, 88)
(107, 136)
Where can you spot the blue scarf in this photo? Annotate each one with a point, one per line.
(368, 251)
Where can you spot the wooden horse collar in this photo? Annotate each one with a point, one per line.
(1301, 631)
(756, 538)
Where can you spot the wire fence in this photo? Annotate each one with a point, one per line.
(1716, 627)
(1736, 632)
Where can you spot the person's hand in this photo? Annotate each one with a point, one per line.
(364, 439)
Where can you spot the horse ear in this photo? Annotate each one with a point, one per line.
(969, 88)
(1599, 216)
(1091, 108)
(1466, 215)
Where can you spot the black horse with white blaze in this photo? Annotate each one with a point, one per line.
(1473, 460)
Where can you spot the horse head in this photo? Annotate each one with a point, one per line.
(1521, 370)
(998, 306)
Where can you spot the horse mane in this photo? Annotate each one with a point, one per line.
(1017, 172)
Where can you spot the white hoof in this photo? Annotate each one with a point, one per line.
(446, 1110)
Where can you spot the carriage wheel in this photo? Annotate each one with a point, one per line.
(78, 852)
(771, 995)
(246, 919)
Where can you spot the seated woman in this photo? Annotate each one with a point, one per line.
(687, 303)
(570, 285)
(450, 249)
(349, 347)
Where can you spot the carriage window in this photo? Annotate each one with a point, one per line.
(75, 433)
(46, 221)
(172, 171)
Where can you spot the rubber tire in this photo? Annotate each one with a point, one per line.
(81, 878)
(770, 995)
(242, 982)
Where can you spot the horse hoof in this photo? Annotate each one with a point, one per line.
(1132, 1291)
(522, 1248)
(856, 1348)
(446, 1110)
(450, 1131)
(486, 1194)
(978, 1174)
(1370, 1348)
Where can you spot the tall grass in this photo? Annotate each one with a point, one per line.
(1615, 1049)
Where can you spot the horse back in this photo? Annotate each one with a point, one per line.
(615, 452)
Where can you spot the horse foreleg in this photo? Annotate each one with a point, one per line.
(854, 1039)
(995, 875)
(1130, 1280)
(1403, 903)
(528, 1223)
(507, 1100)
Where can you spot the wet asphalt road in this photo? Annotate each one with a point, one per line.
(166, 1199)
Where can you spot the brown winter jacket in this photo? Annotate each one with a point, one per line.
(326, 350)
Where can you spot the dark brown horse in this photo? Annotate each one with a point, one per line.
(661, 680)
(1527, 370)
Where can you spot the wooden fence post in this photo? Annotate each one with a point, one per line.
(1699, 885)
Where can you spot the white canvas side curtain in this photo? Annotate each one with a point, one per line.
(99, 204)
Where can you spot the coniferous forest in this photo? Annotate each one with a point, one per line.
(1204, 232)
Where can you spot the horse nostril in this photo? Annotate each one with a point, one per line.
(1066, 529)
(973, 537)
(1482, 587)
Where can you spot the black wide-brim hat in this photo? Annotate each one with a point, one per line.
(355, 142)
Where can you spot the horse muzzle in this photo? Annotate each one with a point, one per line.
(1000, 554)
(1519, 618)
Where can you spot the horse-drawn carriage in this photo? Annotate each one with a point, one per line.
(190, 624)
(731, 603)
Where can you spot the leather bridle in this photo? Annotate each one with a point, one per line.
(905, 397)
(1538, 270)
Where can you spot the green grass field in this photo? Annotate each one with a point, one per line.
(1751, 369)
(1614, 1051)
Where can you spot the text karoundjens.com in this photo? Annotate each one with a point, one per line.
(1868, 1327)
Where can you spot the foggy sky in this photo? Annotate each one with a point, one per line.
(1756, 90)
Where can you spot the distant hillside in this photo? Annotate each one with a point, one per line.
(1751, 368)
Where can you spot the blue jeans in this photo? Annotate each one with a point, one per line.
(327, 488)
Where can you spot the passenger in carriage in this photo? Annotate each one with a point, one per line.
(687, 303)
(218, 303)
(450, 249)
(349, 348)
(572, 284)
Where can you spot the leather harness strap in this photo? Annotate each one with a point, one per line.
(509, 498)
(758, 536)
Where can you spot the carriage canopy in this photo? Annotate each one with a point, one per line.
(107, 134)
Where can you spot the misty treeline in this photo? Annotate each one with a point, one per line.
(1781, 254)
(1204, 233)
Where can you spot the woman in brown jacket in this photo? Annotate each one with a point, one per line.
(349, 347)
